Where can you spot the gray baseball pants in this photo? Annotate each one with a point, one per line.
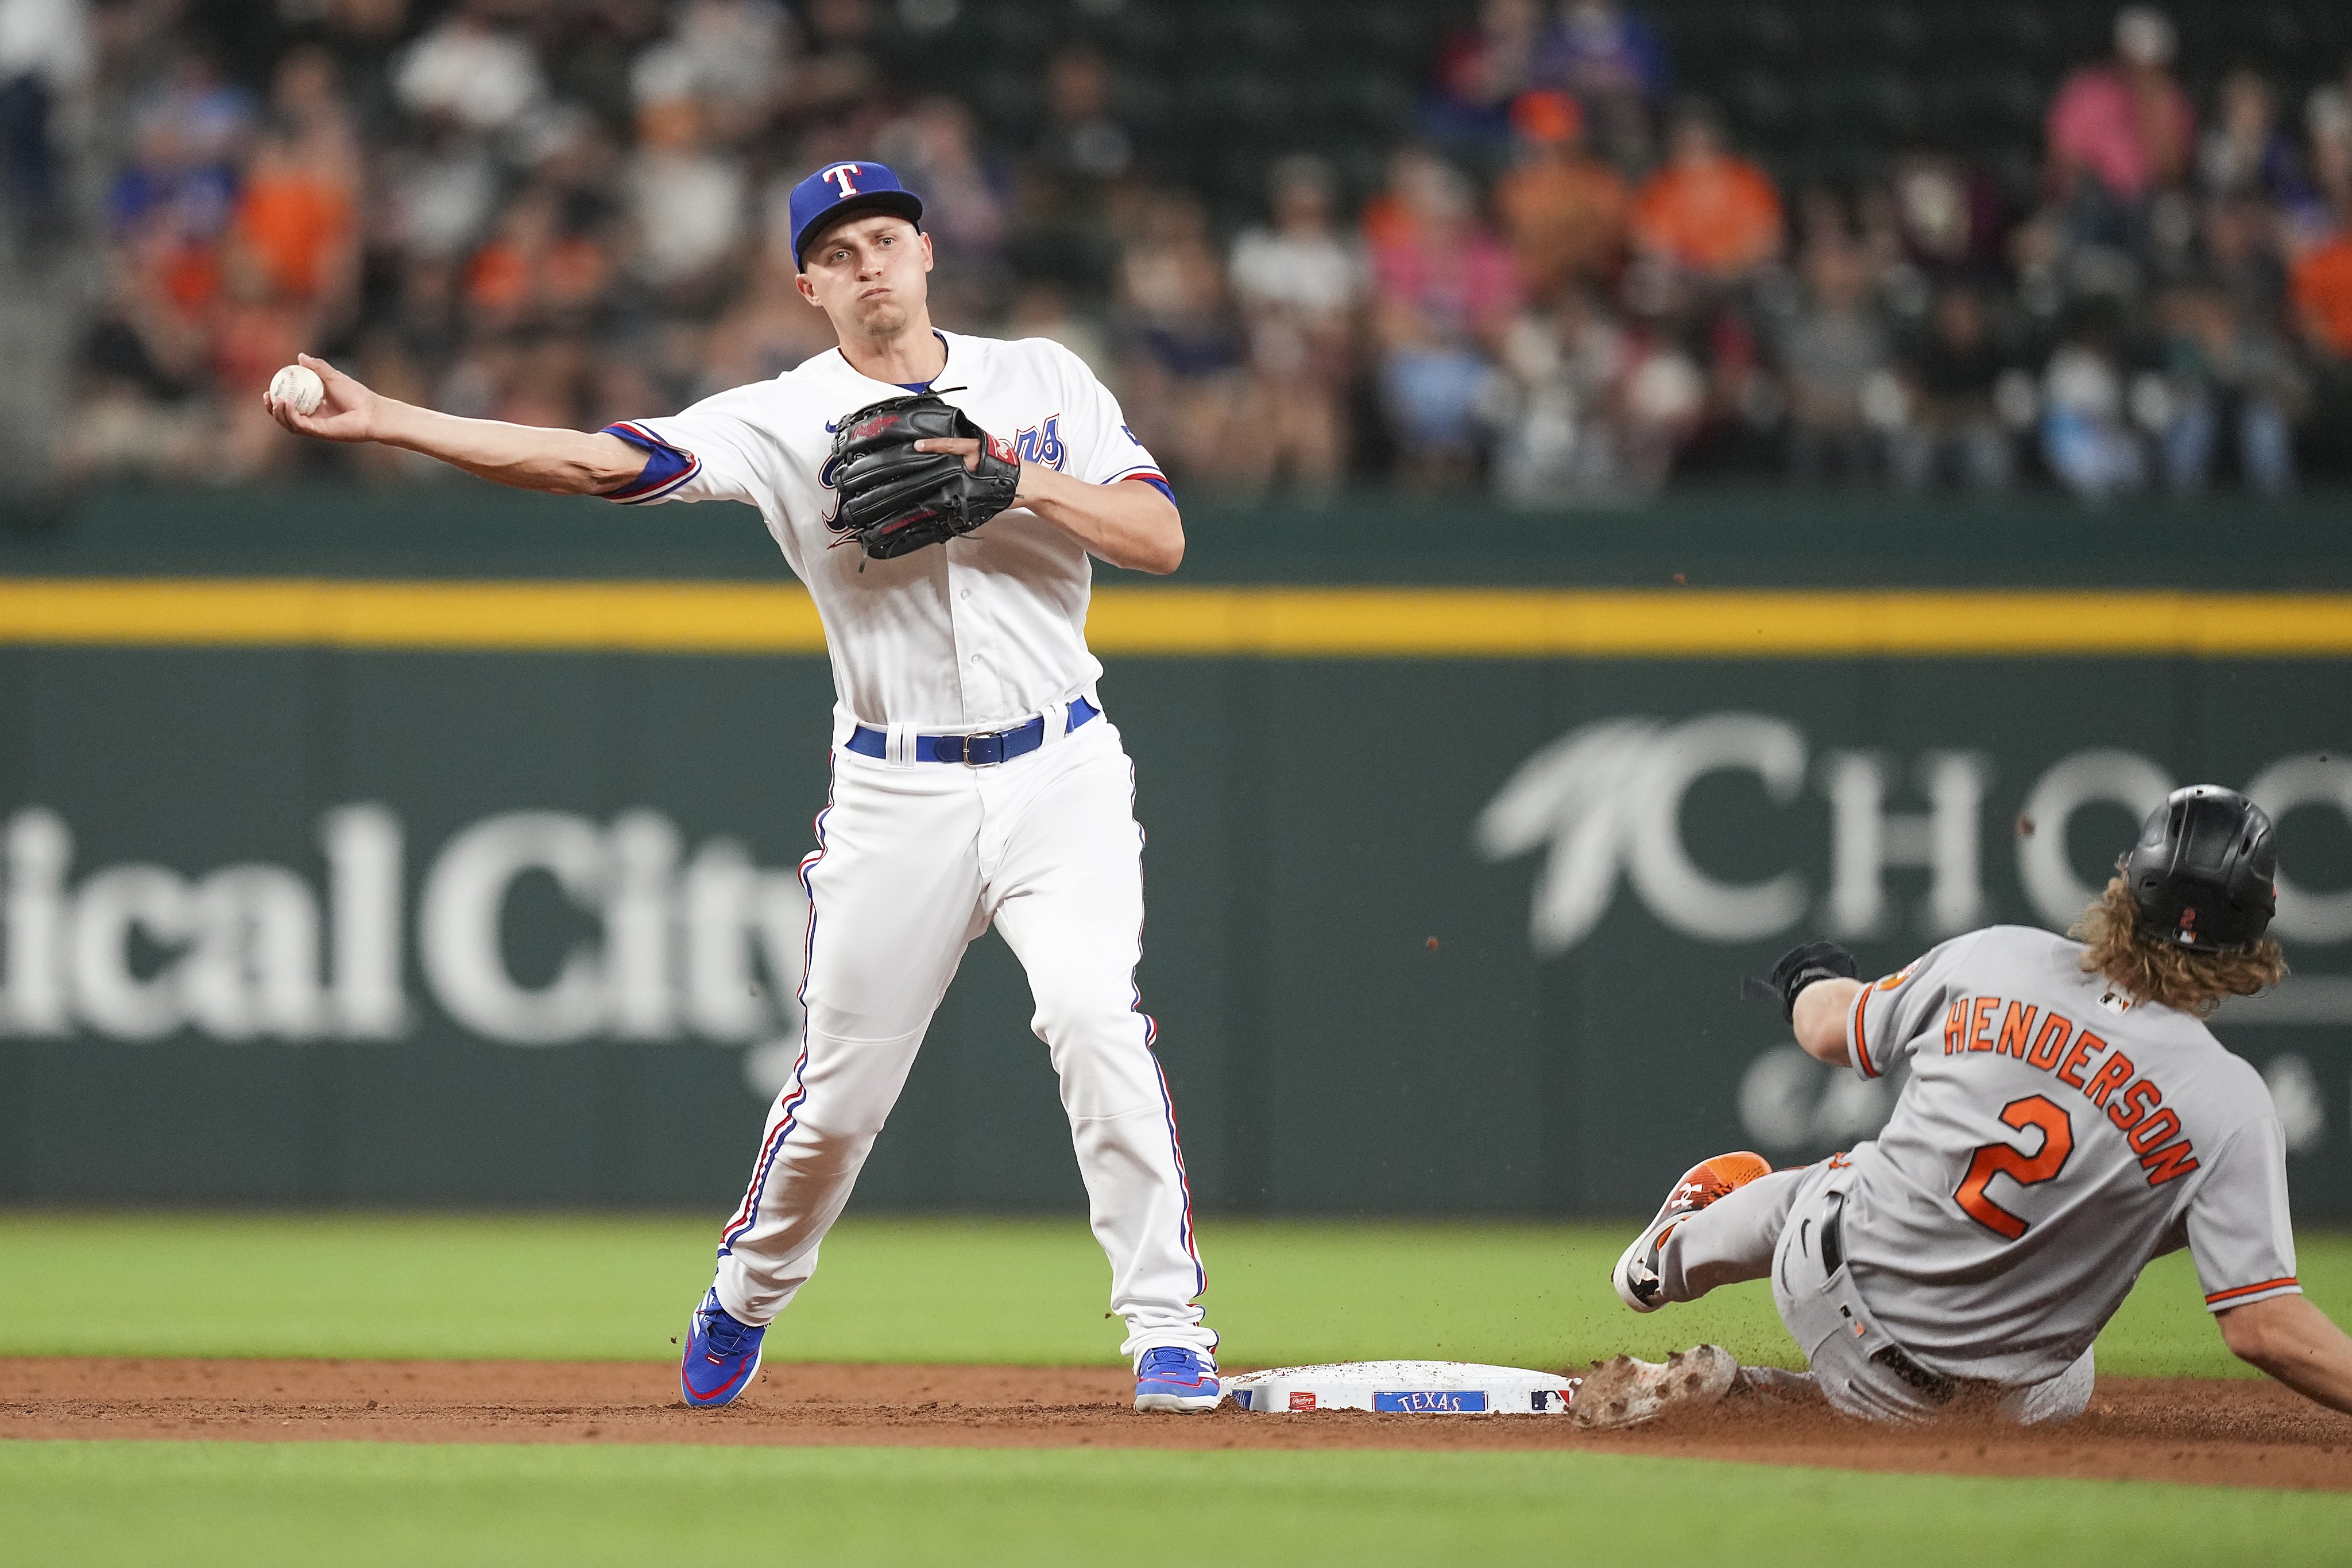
(1773, 1227)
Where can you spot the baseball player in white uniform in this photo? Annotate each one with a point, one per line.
(2068, 1118)
(975, 776)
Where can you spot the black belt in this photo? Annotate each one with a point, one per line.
(983, 750)
(1933, 1385)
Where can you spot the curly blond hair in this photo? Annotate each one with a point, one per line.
(2116, 947)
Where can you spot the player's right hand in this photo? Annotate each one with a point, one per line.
(346, 412)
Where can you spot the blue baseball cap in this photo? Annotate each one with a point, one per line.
(838, 190)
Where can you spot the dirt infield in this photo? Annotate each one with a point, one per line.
(2216, 1433)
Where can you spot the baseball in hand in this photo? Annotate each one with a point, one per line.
(298, 386)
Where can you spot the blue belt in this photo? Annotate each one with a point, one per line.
(974, 750)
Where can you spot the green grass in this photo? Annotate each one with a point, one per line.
(1020, 1291)
(354, 1504)
(1001, 1290)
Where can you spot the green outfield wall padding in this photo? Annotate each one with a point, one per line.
(321, 923)
(463, 527)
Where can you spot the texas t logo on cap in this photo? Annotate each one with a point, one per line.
(839, 190)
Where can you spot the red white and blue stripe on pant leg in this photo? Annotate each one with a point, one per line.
(722, 1352)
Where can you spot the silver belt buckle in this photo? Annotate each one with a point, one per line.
(996, 735)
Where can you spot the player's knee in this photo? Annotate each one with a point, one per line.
(835, 1144)
(1069, 1015)
(1102, 1055)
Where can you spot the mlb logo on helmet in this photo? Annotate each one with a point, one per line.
(839, 190)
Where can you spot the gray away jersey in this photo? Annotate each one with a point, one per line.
(2054, 1135)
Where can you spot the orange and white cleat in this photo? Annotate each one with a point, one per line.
(1636, 1277)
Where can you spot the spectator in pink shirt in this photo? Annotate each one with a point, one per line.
(1446, 289)
(2120, 131)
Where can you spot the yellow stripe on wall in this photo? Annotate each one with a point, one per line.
(1644, 622)
(1298, 622)
(650, 617)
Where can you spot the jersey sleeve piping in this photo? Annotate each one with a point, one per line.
(2239, 1295)
(1861, 1045)
(1137, 471)
(1150, 475)
(667, 468)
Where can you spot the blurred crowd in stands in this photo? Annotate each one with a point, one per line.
(1569, 283)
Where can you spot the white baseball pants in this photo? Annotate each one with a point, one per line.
(1772, 1227)
(914, 861)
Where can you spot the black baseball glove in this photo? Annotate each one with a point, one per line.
(1799, 968)
(894, 499)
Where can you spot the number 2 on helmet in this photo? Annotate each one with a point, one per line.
(2004, 1159)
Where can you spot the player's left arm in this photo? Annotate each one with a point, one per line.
(1819, 1019)
(1816, 982)
(1131, 523)
(1842, 1020)
(2295, 1343)
(1102, 488)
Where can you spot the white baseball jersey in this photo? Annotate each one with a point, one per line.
(2054, 1136)
(983, 630)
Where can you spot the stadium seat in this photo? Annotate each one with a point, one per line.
(1898, 33)
(1402, 37)
(1257, 35)
(1762, 108)
(1234, 103)
(1008, 103)
(1767, 33)
(1008, 36)
(1817, 89)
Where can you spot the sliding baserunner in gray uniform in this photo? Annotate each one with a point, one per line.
(2068, 1118)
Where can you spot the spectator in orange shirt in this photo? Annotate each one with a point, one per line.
(296, 227)
(2322, 284)
(292, 263)
(2320, 281)
(296, 216)
(535, 271)
(1708, 210)
(1563, 209)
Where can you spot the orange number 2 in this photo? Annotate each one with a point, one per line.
(2001, 1159)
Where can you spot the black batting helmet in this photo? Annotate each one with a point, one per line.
(2204, 872)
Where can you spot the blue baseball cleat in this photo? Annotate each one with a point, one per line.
(1176, 1377)
(722, 1356)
